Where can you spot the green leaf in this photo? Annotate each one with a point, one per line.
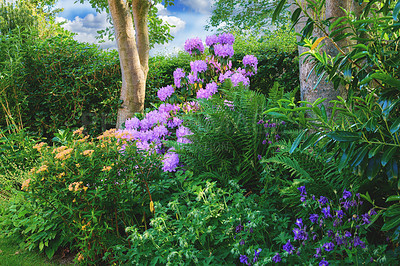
(41, 245)
(393, 198)
(344, 136)
(373, 167)
(374, 151)
(387, 155)
(395, 126)
(278, 10)
(295, 15)
(297, 141)
(388, 79)
(391, 224)
(360, 156)
(396, 10)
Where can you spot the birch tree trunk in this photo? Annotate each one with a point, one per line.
(133, 53)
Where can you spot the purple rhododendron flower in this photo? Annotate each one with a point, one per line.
(223, 50)
(250, 60)
(178, 75)
(276, 258)
(133, 123)
(175, 122)
(170, 162)
(211, 40)
(198, 66)
(237, 78)
(165, 92)
(288, 247)
(346, 194)
(226, 38)
(194, 45)
(211, 89)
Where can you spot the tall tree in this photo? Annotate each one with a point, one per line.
(131, 27)
(243, 15)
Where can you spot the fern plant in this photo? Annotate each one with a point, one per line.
(230, 136)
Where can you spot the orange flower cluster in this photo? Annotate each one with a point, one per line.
(88, 152)
(63, 153)
(42, 168)
(25, 184)
(39, 146)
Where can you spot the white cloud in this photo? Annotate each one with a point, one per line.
(201, 6)
(86, 28)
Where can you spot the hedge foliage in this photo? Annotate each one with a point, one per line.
(56, 82)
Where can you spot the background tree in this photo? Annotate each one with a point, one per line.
(253, 15)
(133, 20)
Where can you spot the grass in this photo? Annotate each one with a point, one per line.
(11, 254)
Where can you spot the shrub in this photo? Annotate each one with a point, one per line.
(95, 188)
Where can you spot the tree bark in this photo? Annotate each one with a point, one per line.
(308, 78)
(133, 54)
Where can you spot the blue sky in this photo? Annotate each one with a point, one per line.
(189, 17)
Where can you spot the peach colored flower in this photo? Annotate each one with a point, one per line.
(64, 155)
(25, 184)
(88, 152)
(106, 168)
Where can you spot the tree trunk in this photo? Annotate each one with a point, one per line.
(308, 78)
(133, 54)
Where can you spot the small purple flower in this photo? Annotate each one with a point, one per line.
(276, 258)
(300, 234)
(365, 218)
(242, 242)
(260, 122)
(372, 212)
(339, 214)
(264, 142)
(194, 45)
(288, 247)
(299, 223)
(259, 157)
(346, 204)
(323, 262)
(283, 122)
(256, 254)
(317, 253)
(244, 259)
(358, 242)
(328, 246)
(327, 211)
(330, 233)
(346, 194)
(347, 234)
(239, 228)
(323, 200)
(302, 190)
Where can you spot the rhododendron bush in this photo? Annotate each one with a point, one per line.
(208, 74)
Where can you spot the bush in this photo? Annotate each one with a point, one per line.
(93, 189)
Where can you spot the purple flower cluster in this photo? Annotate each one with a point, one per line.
(165, 92)
(226, 38)
(194, 46)
(211, 40)
(237, 78)
(330, 220)
(251, 62)
(223, 50)
(210, 90)
(178, 75)
(170, 161)
(198, 66)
